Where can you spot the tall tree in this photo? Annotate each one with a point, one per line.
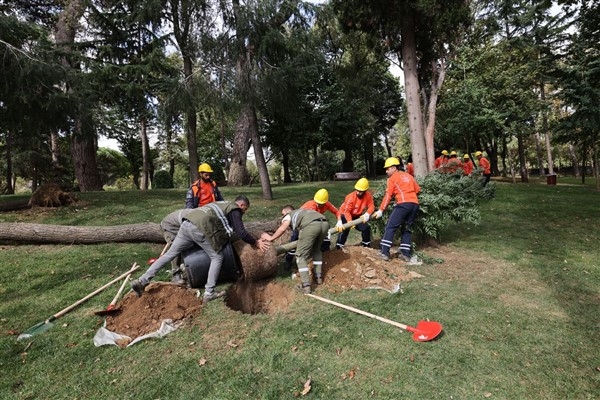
(420, 34)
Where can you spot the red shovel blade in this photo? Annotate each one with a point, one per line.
(151, 261)
(425, 331)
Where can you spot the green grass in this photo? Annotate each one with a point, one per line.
(518, 297)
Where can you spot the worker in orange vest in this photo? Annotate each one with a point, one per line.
(204, 190)
(358, 204)
(484, 164)
(441, 160)
(403, 189)
(467, 165)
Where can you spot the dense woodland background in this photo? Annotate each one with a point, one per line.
(305, 85)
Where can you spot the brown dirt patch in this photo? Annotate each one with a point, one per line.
(358, 267)
(264, 297)
(160, 301)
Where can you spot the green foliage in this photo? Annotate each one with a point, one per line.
(162, 180)
(112, 165)
(445, 199)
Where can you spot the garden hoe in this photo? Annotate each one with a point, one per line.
(423, 332)
(112, 309)
(43, 326)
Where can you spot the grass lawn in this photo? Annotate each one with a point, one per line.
(518, 296)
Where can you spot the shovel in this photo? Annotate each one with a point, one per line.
(111, 309)
(423, 332)
(43, 326)
(164, 250)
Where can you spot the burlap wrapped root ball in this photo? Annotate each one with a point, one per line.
(254, 263)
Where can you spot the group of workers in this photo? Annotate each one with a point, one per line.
(449, 162)
(209, 222)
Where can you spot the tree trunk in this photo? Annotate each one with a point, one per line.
(238, 173)
(437, 80)
(10, 189)
(285, 162)
(413, 103)
(545, 129)
(19, 232)
(538, 154)
(574, 160)
(83, 153)
(145, 153)
(347, 163)
(259, 156)
(191, 121)
(522, 161)
(83, 141)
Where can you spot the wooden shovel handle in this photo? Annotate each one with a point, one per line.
(356, 310)
(120, 291)
(95, 292)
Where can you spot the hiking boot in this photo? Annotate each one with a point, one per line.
(339, 246)
(319, 280)
(211, 296)
(138, 286)
(384, 257)
(403, 257)
(305, 288)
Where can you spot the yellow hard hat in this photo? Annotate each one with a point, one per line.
(478, 153)
(362, 185)
(204, 167)
(390, 162)
(445, 152)
(466, 156)
(321, 196)
(453, 153)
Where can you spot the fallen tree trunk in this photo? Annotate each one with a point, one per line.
(24, 233)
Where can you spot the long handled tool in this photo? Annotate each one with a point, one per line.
(111, 308)
(164, 250)
(43, 326)
(423, 332)
(292, 245)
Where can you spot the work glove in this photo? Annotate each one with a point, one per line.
(365, 217)
(377, 214)
(339, 226)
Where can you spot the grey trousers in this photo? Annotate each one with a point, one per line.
(187, 236)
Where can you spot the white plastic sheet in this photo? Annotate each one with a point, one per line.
(105, 337)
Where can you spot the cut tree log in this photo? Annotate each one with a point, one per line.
(20, 232)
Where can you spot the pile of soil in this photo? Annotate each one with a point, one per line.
(357, 267)
(139, 316)
(353, 268)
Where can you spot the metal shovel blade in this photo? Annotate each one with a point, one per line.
(425, 331)
(36, 329)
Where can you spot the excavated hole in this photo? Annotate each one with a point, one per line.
(258, 297)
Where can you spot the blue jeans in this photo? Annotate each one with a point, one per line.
(404, 215)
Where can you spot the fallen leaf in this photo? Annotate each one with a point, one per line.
(307, 387)
(294, 348)
(13, 332)
(232, 343)
(351, 374)
(202, 361)
(487, 394)
(338, 351)
(71, 345)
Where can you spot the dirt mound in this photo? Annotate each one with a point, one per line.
(160, 301)
(358, 267)
(350, 269)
